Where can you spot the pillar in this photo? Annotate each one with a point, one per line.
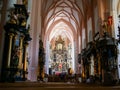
(47, 57)
(74, 56)
(34, 44)
(21, 52)
(9, 49)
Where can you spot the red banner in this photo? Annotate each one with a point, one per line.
(110, 20)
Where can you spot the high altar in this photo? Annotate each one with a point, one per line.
(60, 57)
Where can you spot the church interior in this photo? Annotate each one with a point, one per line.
(60, 41)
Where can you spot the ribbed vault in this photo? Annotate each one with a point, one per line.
(68, 12)
(62, 18)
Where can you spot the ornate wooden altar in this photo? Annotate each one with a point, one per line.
(60, 60)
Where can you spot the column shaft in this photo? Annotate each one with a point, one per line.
(9, 50)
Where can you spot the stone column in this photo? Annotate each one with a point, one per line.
(47, 57)
(74, 56)
(34, 44)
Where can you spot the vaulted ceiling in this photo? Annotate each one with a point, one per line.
(63, 17)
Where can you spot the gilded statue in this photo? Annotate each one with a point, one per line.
(13, 17)
(16, 18)
(25, 2)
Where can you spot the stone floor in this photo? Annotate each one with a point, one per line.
(54, 86)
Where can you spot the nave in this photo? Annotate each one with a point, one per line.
(60, 40)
